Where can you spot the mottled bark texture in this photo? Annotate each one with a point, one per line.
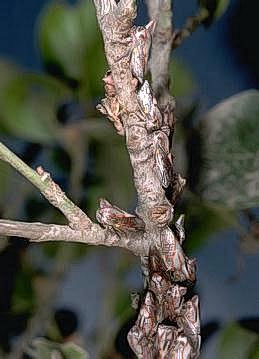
(167, 325)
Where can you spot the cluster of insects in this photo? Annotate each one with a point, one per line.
(166, 265)
(163, 301)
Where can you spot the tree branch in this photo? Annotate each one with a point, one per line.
(96, 235)
(116, 23)
(131, 105)
(192, 23)
(81, 229)
(50, 190)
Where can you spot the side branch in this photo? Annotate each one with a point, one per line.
(96, 235)
(191, 24)
(80, 229)
(50, 190)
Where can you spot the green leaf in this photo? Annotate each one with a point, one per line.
(28, 107)
(230, 134)
(236, 342)
(222, 6)
(254, 354)
(70, 44)
(60, 39)
(216, 9)
(73, 351)
(181, 79)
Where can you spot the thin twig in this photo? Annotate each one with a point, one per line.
(96, 235)
(49, 189)
(192, 23)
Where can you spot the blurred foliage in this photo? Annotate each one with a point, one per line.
(45, 349)
(28, 97)
(237, 342)
(71, 47)
(181, 78)
(122, 304)
(231, 150)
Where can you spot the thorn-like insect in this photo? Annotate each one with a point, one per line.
(177, 186)
(166, 336)
(173, 301)
(144, 329)
(110, 107)
(189, 319)
(163, 158)
(175, 260)
(162, 215)
(182, 348)
(169, 119)
(112, 216)
(179, 229)
(149, 107)
(141, 43)
(109, 85)
(147, 315)
(135, 300)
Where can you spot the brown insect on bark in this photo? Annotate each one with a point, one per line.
(141, 42)
(148, 104)
(163, 158)
(162, 215)
(110, 107)
(112, 216)
(176, 188)
(174, 258)
(166, 336)
(182, 348)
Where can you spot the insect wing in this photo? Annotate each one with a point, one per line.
(137, 63)
(182, 348)
(165, 340)
(145, 98)
(164, 166)
(190, 317)
(147, 315)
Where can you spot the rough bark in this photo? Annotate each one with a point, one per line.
(148, 127)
